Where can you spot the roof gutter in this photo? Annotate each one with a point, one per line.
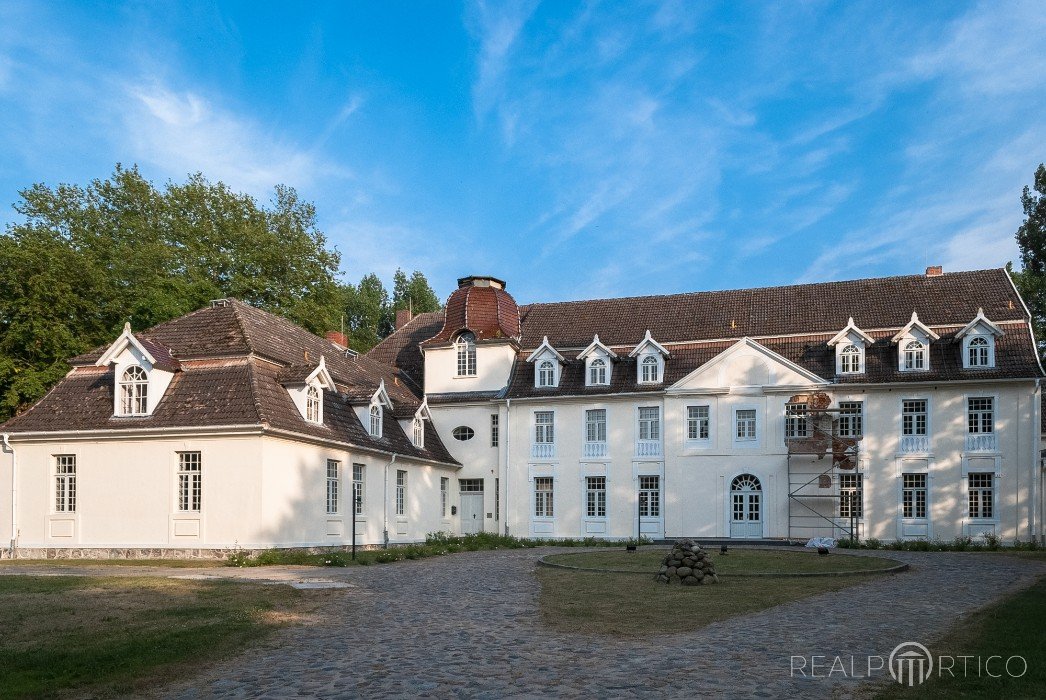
(14, 491)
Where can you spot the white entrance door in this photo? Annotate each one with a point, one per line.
(746, 507)
(651, 522)
(471, 506)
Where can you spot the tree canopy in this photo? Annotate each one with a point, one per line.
(84, 260)
(1031, 239)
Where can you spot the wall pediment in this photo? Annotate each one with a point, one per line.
(746, 366)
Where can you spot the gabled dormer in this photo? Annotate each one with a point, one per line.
(851, 345)
(599, 363)
(978, 342)
(913, 345)
(143, 370)
(548, 365)
(373, 414)
(415, 427)
(650, 360)
(306, 384)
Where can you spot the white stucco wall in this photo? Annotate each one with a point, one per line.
(493, 367)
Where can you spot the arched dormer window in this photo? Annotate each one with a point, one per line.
(978, 352)
(466, 347)
(597, 372)
(134, 392)
(419, 433)
(375, 421)
(313, 412)
(546, 373)
(850, 360)
(650, 370)
(914, 355)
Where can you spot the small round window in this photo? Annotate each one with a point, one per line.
(463, 432)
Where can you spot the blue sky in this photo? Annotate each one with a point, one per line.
(575, 149)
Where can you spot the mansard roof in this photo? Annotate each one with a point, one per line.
(233, 362)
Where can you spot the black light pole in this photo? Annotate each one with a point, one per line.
(357, 502)
(639, 525)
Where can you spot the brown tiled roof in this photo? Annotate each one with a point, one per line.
(248, 353)
(489, 312)
(402, 349)
(816, 312)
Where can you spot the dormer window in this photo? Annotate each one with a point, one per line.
(850, 360)
(597, 372)
(313, 405)
(375, 421)
(914, 355)
(466, 348)
(546, 373)
(650, 370)
(419, 433)
(134, 392)
(978, 352)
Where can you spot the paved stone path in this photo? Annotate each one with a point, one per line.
(467, 626)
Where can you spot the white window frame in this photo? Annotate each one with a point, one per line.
(133, 391)
(992, 492)
(418, 429)
(746, 442)
(64, 483)
(313, 404)
(401, 492)
(597, 375)
(544, 433)
(333, 486)
(857, 487)
(495, 429)
(696, 422)
(465, 349)
(853, 352)
(989, 351)
(925, 488)
(644, 363)
(595, 497)
(189, 492)
(921, 353)
(796, 421)
(650, 501)
(444, 495)
(851, 419)
(588, 423)
(653, 425)
(991, 411)
(359, 487)
(545, 374)
(926, 413)
(376, 416)
(544, 499)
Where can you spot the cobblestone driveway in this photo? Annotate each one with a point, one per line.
(467, 626)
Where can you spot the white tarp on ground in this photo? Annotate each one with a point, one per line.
(821, 542)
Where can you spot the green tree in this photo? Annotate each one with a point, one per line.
(366, 313)
(413, 293)
(1031, 239)
(86, 259)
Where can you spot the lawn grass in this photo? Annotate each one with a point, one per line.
(101, 636)
(627, 606)
(737, 561)
(1012, 627)
(163, 563)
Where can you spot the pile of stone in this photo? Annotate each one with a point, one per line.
(688, 564)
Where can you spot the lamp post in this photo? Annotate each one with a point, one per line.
(357, 502)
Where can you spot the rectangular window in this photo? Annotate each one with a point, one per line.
(444, 495)
(650, 423)
(851, 418)
(596, 496)
(190, 481)
(596, 425)
(981, 415)
(745, 420)
(65, 483)
(697, 427)
(401, 492)
(358, 472)
(494, 430)
(544, 427)
(913, 417)
(333, 485)
(543, 497)
(471, 485)
(913, 496)
(497, 499)
(851, 496)
(649, 496)
(796, 424)
(982, 495)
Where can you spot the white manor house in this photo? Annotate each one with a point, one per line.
(895, 408)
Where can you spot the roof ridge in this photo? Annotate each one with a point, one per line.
(760, 289)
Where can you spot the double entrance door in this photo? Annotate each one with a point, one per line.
(471, 499)
(746, 507)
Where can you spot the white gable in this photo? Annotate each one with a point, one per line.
(980, 325)
(747, 364)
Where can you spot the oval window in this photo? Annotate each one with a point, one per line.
(463, 432)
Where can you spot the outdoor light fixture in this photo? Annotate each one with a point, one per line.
(722, 549)
(630, 548)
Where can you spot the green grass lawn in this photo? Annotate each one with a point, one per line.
(1011, 627)
(626, 605)
(117, 635)
(162, 563)
(735, 562)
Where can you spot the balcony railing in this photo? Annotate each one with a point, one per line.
(594, 449)
(648, 448)
(543, 450)
(915, 443)
(982, 442)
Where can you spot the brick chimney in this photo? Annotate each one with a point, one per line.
(403, 317)
(934, 271)
(338, 339)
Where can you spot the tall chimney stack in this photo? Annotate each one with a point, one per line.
(339, 339)
(403, 317)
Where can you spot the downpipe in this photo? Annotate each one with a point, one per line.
(8, 447)
(385, 504)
